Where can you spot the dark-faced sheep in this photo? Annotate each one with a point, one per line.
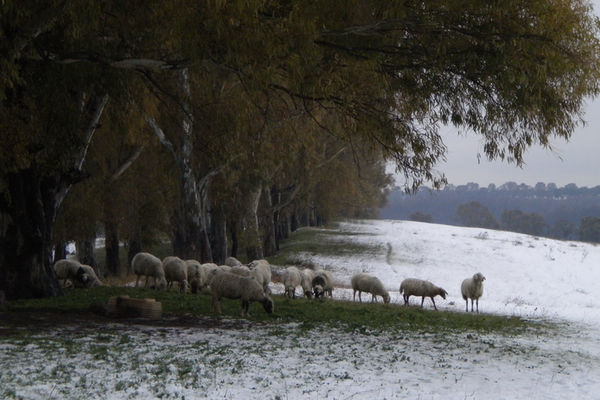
(472, 288)
(417, 287)
(322, 283)
(70, 270)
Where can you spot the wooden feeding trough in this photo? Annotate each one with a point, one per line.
(123, 306)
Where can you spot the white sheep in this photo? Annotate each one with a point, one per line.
(70, 270)
(291, 278)
(261, 272)
(208, 269)
(195, 275)
(232, 262)
(240, 270)
(225, 268)
(417, 287)
(322, 283)
(93, 280)
(472, 288)
(145, 264)
(234, 287)
(176, 271)
(306, 283)
(369, 284)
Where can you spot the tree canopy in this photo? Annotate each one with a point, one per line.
(304, 101)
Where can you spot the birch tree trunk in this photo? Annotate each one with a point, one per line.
(251, 233)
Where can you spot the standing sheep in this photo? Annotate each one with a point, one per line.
(195, 275)
(472, 288)
(306, 283)
(176, 271)
(261, 272)
(232, 262)
(234, 287)
(291, 278)
(240, 270)
(369, 284)
(145, 264)
(417, 287)
(70, 270)
(322, 283)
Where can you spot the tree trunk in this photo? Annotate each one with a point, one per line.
(111, 246)
(86, 251)
(134, 247)
(269, 220)
(251, 234)
(26, 220)
(233, 232)
(218, 230)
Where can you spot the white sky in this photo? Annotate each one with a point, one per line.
(577, 161)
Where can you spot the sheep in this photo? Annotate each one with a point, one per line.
(240, 270)
(195, 275)
(261, 272)
(322, 283)
(71, 270)
(306, 282)
(145, 264)
(93, 280)
(225, 268)
(208, 269)
(231, 286)
(232, 262)
(176, 271)
(291, 278)
(369, 284)
(472, 288)
(417, 287)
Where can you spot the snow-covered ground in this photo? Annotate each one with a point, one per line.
(529, 277)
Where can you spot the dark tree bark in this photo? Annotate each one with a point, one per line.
(86, 251)
(111, 245)
(26, 221)
(135, 246)
(218, 236)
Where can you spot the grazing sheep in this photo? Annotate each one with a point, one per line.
(240, 270)
(369, 284)
(306, 283)
(145, 264)
(195, 275)
(253, 264)
(93, 280)
(225, 268)
(291, 278)
(70, 270)
(234, 287)
(209, 269)
(232, 262)
(322, 283)
(261, 272)
(176, 271)
(472, 288)
(417, 287)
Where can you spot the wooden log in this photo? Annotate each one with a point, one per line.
(123, 306)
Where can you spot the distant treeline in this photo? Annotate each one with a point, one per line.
(568, 212)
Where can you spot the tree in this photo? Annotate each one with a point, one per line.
(475, 215)
(589, 229)
(381, 76)
(518, 221)
(421, 217)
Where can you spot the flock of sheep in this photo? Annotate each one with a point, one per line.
(250, 283)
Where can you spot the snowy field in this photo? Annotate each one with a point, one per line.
(530, 277)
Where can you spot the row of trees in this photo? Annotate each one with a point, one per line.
(475, 215)
(217, 120)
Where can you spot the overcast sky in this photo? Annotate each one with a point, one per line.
(577, 161)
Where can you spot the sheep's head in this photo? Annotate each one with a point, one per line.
(184, 286)
(386, 299)
(443, 293)
(268, 305)
(162, 285)
(318, 291)
(308, 294)
(478, 277)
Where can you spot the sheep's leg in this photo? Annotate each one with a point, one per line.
(467, 304)
(137, 281)
(422, 301)
(477, 303)
(216, 304)
(146, 283)
(406, 299)
(433, 301)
